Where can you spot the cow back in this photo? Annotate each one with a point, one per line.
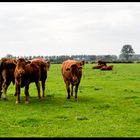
(42, 64)
(33, 72)
(67, 65)
(7, 63)
(41, 60)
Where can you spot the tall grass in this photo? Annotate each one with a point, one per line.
(108, 105)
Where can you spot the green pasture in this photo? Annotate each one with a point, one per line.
(108, 105)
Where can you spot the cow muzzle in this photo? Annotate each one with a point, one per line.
(75, 80)
(21, 76)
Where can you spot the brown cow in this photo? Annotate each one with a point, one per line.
(72, 73)
(101, 62)
(44, 66)
(26, 73)
(97, 67)
(107, 67)
(7, 67)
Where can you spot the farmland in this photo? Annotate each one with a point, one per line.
(108, 105)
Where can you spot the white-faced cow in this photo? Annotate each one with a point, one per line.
(72, 73)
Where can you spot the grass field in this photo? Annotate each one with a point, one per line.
(108, 105)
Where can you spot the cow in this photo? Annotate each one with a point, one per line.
(72, 72)
(27, 72)
(107, 67)
(101, 62)
(7, 68)
(97, 67)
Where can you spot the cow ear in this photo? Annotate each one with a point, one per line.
(67, 69)
(80, 67)
(28, 62)
(15, 62)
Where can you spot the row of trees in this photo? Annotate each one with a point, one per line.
(126, 55)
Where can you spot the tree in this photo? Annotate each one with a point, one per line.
(127, 51)
(9, 56)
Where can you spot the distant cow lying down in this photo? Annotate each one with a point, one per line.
(97, 67)
(107, 67)
(72, 73)
(101, 62)
(27, 72)
(7, 67)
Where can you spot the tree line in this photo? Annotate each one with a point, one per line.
(126, 55)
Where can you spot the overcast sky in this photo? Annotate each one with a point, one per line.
(68, 28)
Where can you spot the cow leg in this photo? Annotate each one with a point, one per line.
(68, 90)
(1, 81)
(43, 88)
(5, 87)
(0, 88)
(76, 90)
(17, 94)
(0, 94)
(72, 89)
(38, 88)
(26, 94)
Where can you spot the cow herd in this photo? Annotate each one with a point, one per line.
(22, 72)
(27, 72)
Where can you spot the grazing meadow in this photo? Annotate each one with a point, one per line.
(108, 105)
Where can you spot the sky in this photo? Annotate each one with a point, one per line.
(68, 28)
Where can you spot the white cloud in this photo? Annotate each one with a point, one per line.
(68, 28)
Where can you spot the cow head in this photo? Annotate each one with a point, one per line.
(48, 64)
(76, 72)
(20, 70)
